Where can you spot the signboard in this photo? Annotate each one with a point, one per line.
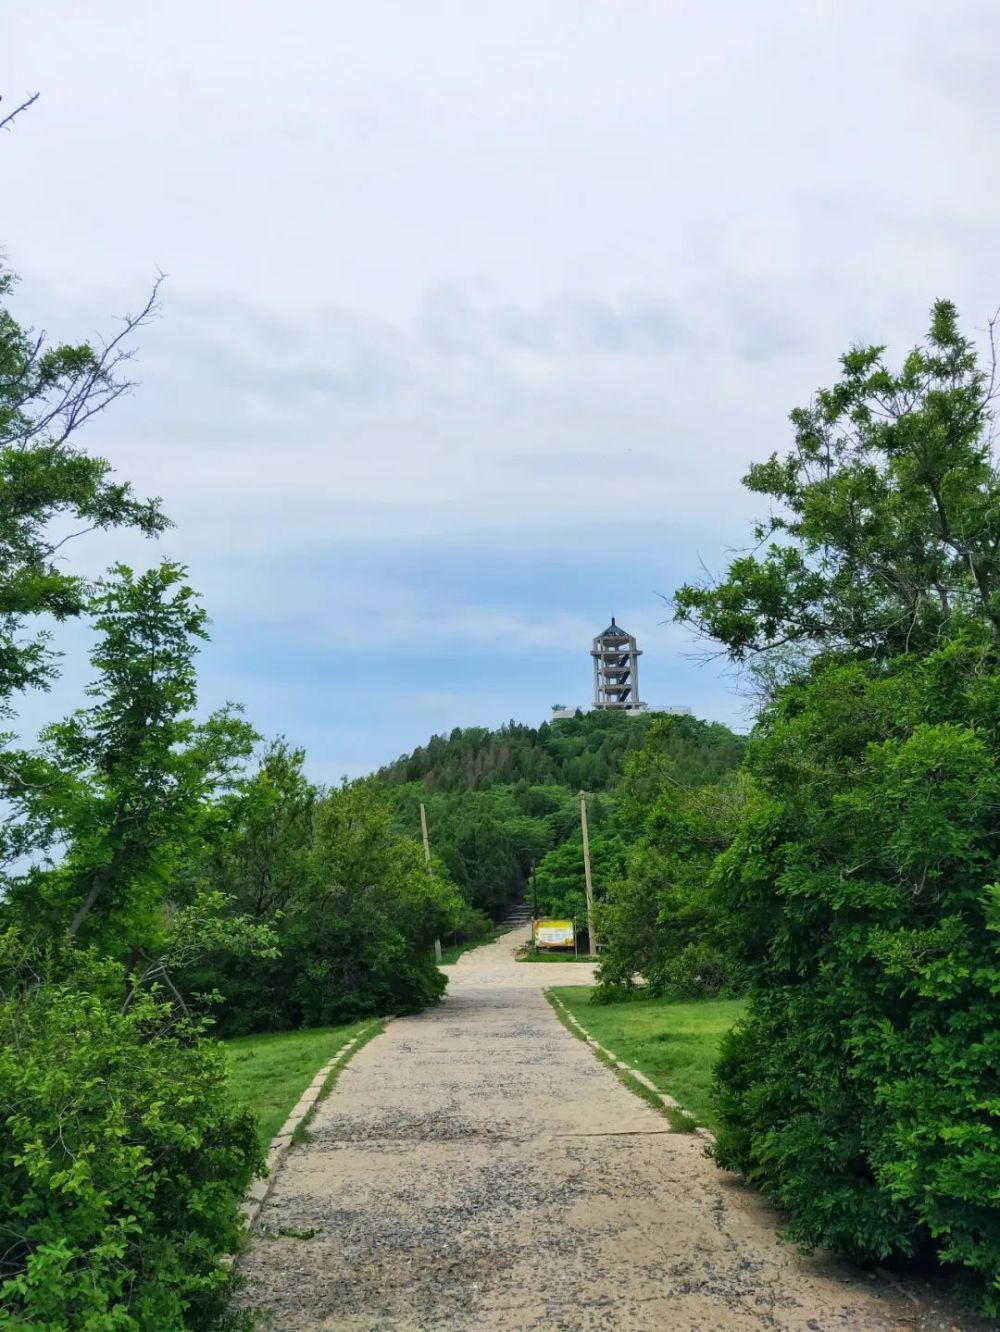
(555, 933)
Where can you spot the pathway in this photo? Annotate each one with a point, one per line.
(476, 1168)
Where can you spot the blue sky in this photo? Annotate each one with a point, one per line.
(476, 314)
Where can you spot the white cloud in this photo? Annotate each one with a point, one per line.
(537, 278)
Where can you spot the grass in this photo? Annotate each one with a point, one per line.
(560, 956)
(674, 1042)
(270, 1072)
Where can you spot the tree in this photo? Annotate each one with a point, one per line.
(122, 789)
(364, 924)
(560, 881)
(681, 802)
(352, 905)
(860, 1092)
(261, 833)
(887, 521)
(48, 484)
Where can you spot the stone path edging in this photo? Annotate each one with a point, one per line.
(610, 1055)
(281, 1143)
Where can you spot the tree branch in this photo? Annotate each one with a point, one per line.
(9, 119)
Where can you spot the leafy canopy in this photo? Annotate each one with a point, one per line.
(50, 489)
(886, 521)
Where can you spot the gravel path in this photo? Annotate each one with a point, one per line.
(477, 1168)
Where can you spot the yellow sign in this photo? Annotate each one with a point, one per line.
(555, 933)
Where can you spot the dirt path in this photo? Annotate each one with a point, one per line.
(477, 1168)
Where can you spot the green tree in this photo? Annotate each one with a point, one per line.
(560, 880)
(365, 922)
(663, 919)
(886, 521)
(261, 833)
(679, 804)
(50, 489)
(122, 790)
(350, 901)
(861, 1091)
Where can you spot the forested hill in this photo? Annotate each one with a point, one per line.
(502, 803)
(586, 751)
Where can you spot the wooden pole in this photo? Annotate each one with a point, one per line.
(427, 858)
(423, 829)
(591, 936)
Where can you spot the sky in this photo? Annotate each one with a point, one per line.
(476, 314)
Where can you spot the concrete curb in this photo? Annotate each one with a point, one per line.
(610, 1055)
(281, 1143)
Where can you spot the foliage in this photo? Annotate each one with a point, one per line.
(886, 521)
(122, 1162)
(49, 486)
(861, 1092)
(499, 802)
(122, 789)
(582, 751)
(489, 840)
(353, 906)
(560, 886)
(661, 919)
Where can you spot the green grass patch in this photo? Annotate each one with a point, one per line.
(674, 1042)
(270, 1072)
(528, 956)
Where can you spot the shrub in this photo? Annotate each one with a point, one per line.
(122, 1164)
(356, 928)
(862, 1092)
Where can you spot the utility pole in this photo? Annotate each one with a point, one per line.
(427, 858)
(423, 829)
(534, 906)
(591, 936)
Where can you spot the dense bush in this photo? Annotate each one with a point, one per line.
(122, 1164)
(353, 908)
(863, 1090)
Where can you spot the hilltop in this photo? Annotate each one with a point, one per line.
(503, 802)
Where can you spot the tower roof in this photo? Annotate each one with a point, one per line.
(614, 631)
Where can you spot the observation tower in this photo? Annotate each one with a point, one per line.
(616, 670)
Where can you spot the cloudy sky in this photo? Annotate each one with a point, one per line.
(476, 312)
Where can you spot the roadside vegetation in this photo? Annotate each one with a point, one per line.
(528, 954)
(844, 879)
(167, 875)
